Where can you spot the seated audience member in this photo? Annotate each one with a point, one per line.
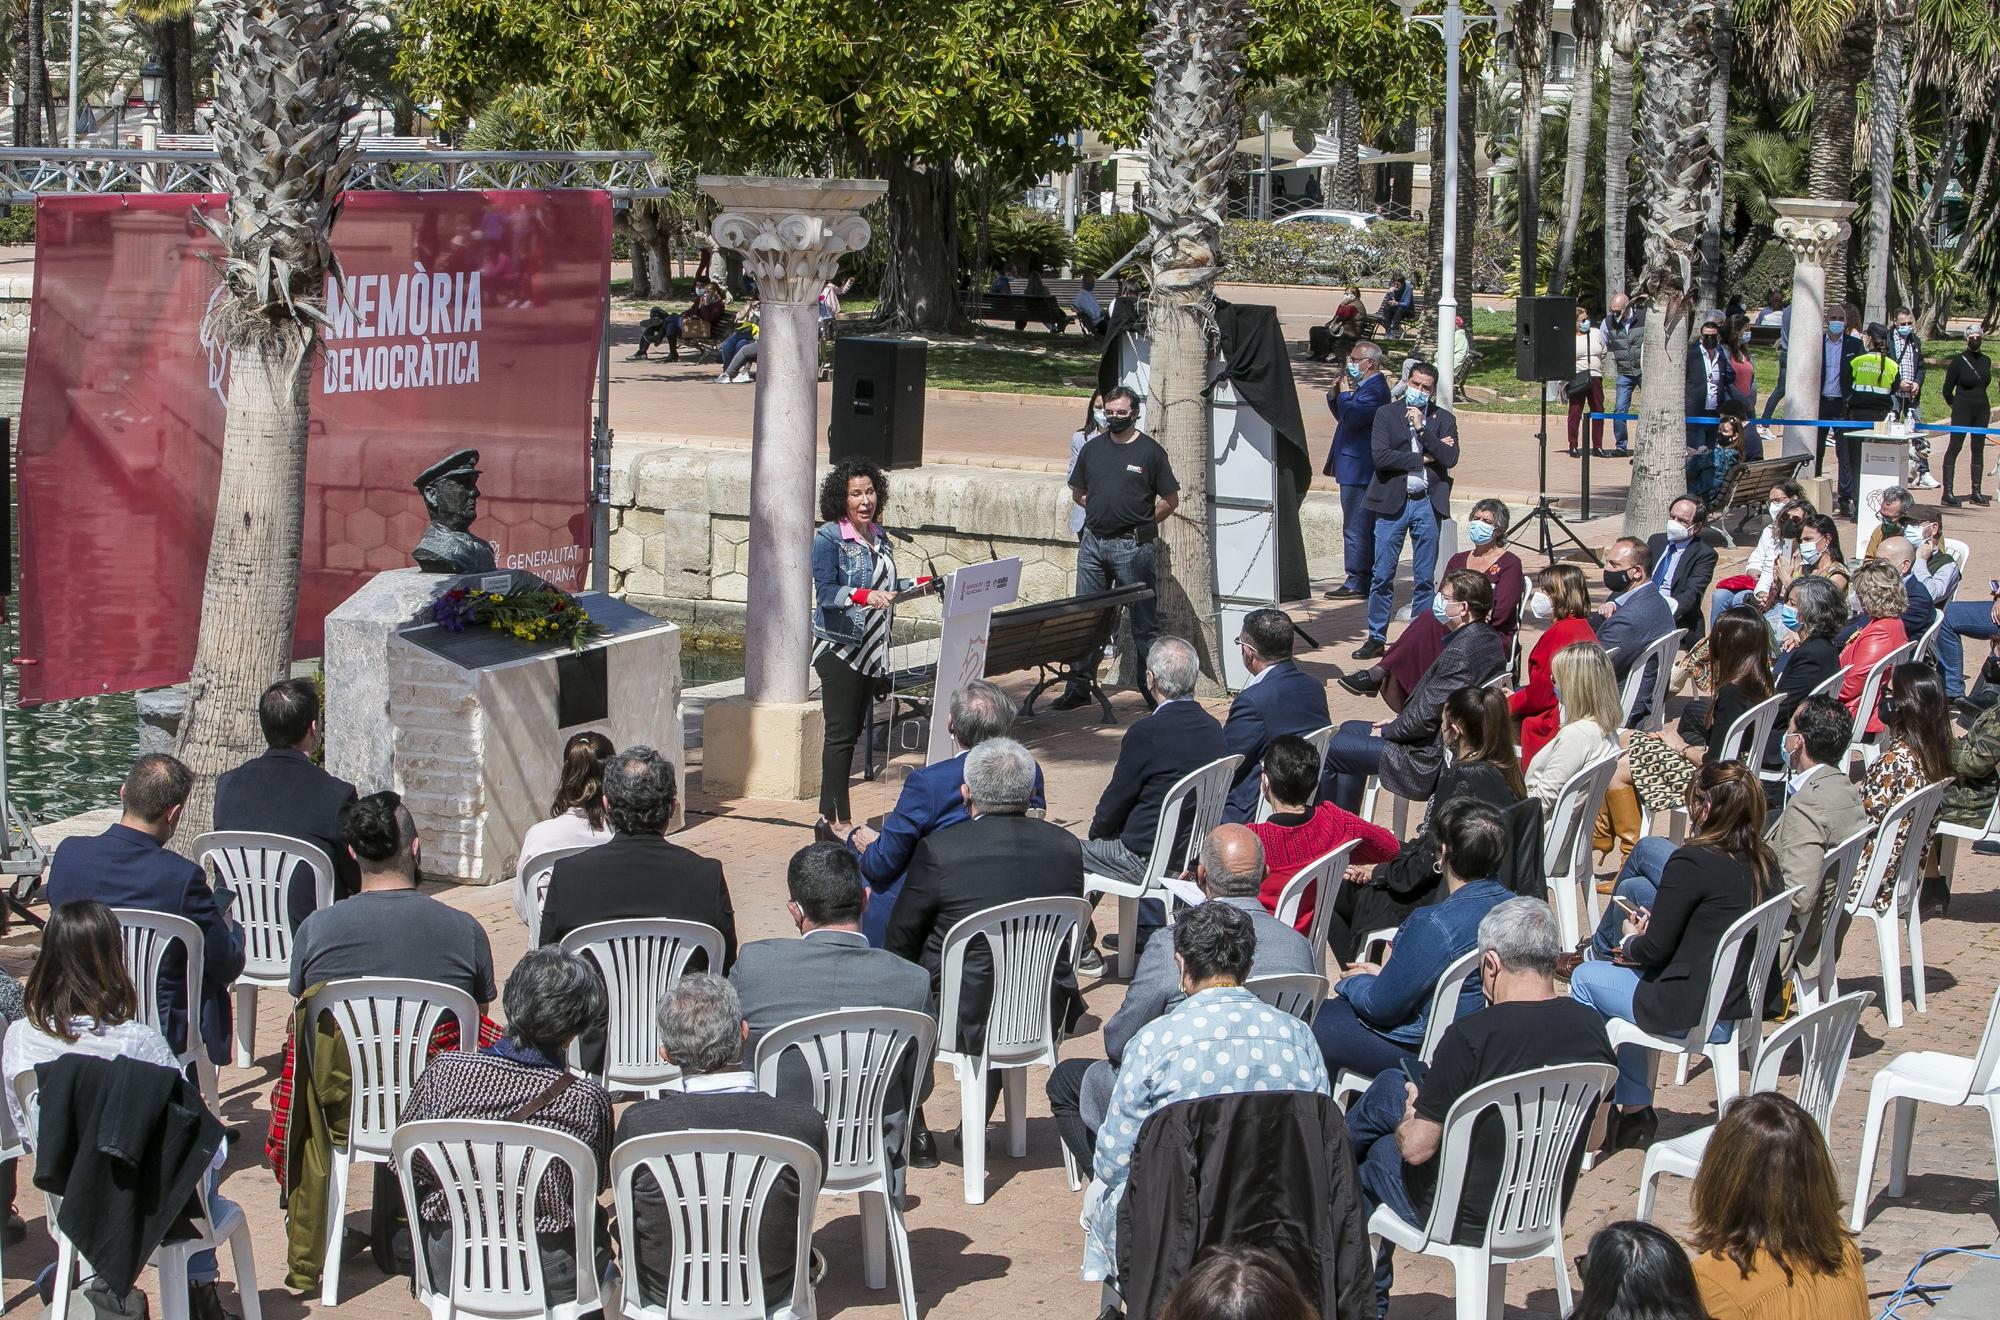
(1636, 615)
(1404, 751)
(1590, 717)
(1812, 552)
(1679, 908)
(80, 1000)
(1481, 768)
(1895, 505)
(637, 872)
(1975, 772)
(1658, 765)
(1822, 809)
(1560, 600)
(1230, 871)
(1935, 567)
(1707, 470)
(1157, 752)
(13, 1229)
(930, 801)
(283, 792)
(1279, 699)
(1805, 626)
(829, 967)
(702, 1031)
(386, 930)
(1298, 833)
(1787, 508)
(551, 996)
(1634, 1271)
(1376, 1016)
(1768, 1240)
(1397, 1125)
(576, 818)
(1238, 1283)
(1920, 610)
(129, 866)
(1963, 619)
(1413, 653)
(1682, 565)
(1090, 313)
(1916, 752)
(1883, 598)
(1180, 1056)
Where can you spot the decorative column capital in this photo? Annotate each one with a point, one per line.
(792, 232)
(1813, 230)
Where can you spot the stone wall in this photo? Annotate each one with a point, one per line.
(16, 294)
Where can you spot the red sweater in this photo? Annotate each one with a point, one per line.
(1288, 848)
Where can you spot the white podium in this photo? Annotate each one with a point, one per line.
(970, 595)
(1882, 461)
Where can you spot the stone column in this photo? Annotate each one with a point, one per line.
(1814, 231)
(792, 234)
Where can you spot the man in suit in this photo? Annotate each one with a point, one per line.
(1838, 350)
(1922, 610)
(1231, 872)
(1155, 754)
(930, 801)
(283, 792)
(829, 966)
(636, 872)
(1351, 463)
(1709, 383)
(1415, 448)
(1635, 616)
(1280, 698)
(128, 866)
(1822, 809)
(1683, 566)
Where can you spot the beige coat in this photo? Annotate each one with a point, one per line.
(1820, 815)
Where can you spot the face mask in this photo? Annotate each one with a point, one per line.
(1708, 342)
(1354, 371)
(1902, 332)
(1792, 750)
(1479, 533)
(1890, 527)
(1614, 581)
(1442, 608)
(1789, 617)
(1540, 606)
(1793, 529)
(1776, 508)
(1097, 416)
(1809, 552)
(1836, 328)
(1417, 397)
(1677, 531)
(1120, 425)
(1559, 694)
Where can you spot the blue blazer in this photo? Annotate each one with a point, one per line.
(1285, 700)
(1153, 756)
(124, 868)
(1643, 619)
(1351, 461)
(928, 803)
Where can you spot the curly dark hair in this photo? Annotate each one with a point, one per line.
(833, 491)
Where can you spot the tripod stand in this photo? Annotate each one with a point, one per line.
(1547, 522)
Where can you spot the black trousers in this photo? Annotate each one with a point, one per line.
(1951, 451)
(843, 699)
(1065, 1089)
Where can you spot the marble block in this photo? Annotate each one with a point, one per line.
(356, 725)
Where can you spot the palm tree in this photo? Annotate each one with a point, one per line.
(170, 25)
(1678, 59)
(1623, 16)
(1718, 135)
(1531, 41)
(279, 106)
(1194, 49)
(1586, 20)
(1884, 119)
(1343, 183)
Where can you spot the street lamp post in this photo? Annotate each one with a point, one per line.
(75, 15)
(150, 77)
(17, 96)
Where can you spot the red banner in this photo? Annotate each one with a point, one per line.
(467, 321)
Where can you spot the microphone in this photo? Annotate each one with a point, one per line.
(930, 568)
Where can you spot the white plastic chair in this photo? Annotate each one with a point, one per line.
(1202, 792)
(1825, 1039)
(1326, 873)
(1936, 1078)
(1399, 807)
(1921, 651)
(1753, 936)
(1950, 832)
(640, 960)
(490, 1172)
(1318, 738)
(1920, 809)
(386, 1026)
(1444, 1011)
(531, 885)
(1566, 845)
(1025, 940)
(1831, 684)
(148, 938)
(170, 1258)
(1661, 650)
(854, 1056)
(1836, 871)
(1542, 1115)
(258, 868)
(1297, 993)
(717, 1186)
(1861, 746)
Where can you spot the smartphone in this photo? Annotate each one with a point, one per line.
(1414, 1069)
(1626, 904)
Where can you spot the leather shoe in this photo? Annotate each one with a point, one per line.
(923, 1150)
(205, 1303)
(1634, 1129)
(1370, 649)
(1980, 499)
(1566, 964)
(1363, 684)
(1345, 593)
(1070, 700)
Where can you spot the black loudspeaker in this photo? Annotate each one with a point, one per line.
(878, 401)
(1544, 338)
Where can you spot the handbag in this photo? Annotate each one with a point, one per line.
(1579, 385)
(1989, 673)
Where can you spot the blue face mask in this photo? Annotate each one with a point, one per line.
(1788, 617)
(1417, 398)
(1836, 328)
(1438, 608)
(1354, 371)
(1479, 533)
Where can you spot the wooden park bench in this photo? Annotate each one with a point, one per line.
(1748, 487)
(1051, 309)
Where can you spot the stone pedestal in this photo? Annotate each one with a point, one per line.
(358, 745)
(761, 749)
(1814, 231)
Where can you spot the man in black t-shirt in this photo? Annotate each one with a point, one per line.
(1127, 489)
(1398, 1125)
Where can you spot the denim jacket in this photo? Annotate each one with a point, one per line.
(1396, 1001)
(840, 564)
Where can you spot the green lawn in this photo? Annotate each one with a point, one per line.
(1013, 364)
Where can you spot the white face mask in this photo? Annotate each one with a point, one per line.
(1808, 552)
(1776, 507)
(1678, 531)
(1540, 606)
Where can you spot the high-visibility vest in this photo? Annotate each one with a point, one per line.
(1874, 373)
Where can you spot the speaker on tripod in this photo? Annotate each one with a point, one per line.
(1544, 351)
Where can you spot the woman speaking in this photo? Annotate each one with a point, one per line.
(854, 584)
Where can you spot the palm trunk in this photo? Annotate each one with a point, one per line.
(919, 289)
(1531, 38)
(1831, 169)
(1710, 294)
(1618, 144)
(1884, 120)
(1583, 94)
(1194, 50)
(1345, 114)
(182, 114)
(41, 114)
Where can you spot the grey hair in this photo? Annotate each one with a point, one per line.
(639, 785)
(1225, 883)
(1000, 775)
(1821, 607)
(550, 997)
(980, 710)
(1900, 494)
(1522, 932)
(701, 1024)
(1174, 667)
(1370, 352)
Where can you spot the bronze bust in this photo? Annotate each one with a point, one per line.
(450, 489)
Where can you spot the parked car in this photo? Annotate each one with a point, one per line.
(1359, 220)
